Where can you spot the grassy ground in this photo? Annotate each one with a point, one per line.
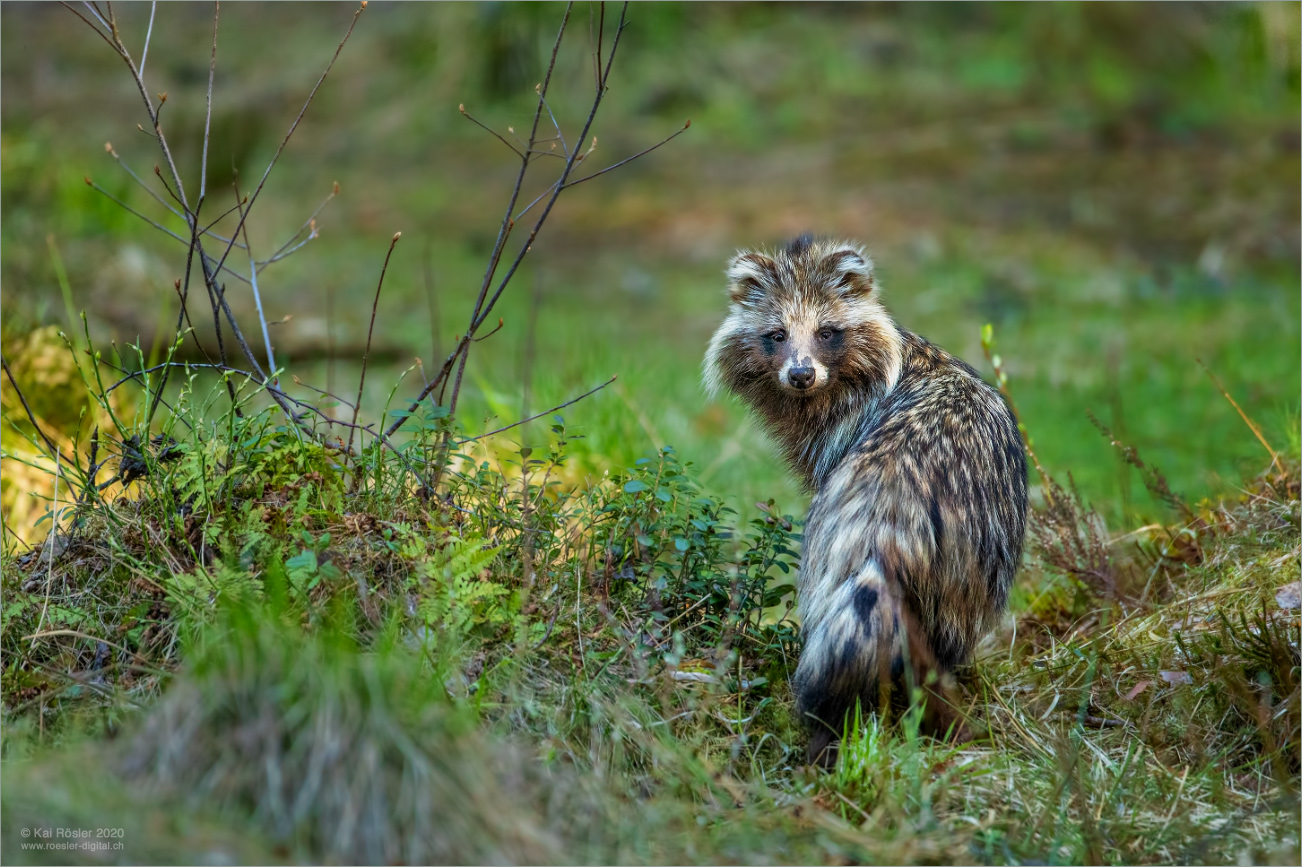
(260, 651)
(599, 673)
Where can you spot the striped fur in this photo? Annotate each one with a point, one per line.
(916, 526)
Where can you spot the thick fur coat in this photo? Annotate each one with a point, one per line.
(918, 471)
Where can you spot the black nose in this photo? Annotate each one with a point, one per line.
(801, 377)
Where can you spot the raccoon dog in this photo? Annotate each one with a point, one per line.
(918, 472)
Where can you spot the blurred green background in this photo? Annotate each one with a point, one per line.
(1115, 187)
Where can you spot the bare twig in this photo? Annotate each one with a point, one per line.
(253, 282)
(541, 414)
(361, 380)
(330, 334)
(500, 323)
(207, 113)
(485, 302)
(101, 33)
(54, 450)
(133, 375)
(1252, 425)
(574, 157)
(642, 153)
(309, 225)
(321, 391)
(216, 292)
(130, 210)
(526, 374)
(494, 133)
(51, 544)
(144, 54)
(293, 126)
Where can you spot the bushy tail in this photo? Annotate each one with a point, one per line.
(865, 646)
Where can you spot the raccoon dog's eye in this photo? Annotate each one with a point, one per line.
(828, 333)
(777, 336)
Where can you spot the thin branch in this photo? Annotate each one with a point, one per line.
(110, 25)
(112, 151)
(253, 282)
(207, 114)
(541, 414)
(130, 210)
(1252, 425)
(503, 233)
(642, 153)
(132, 375)
(101, 33)
(30, 416)
(544, 194)
(565, 148)
(322, 391)
(361, 381)
(560, 186)
(311, 96)
(207, 230)
(468, 116)
(601, 31)
(138, 376)
(307, 224)
(483, 305)
(500, 323)
(144, 55)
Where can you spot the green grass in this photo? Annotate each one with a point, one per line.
(579, 651)
(308, 659)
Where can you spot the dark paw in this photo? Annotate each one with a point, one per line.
(823, 749)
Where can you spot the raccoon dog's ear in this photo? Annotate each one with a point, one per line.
(748, 276)
(852, 271)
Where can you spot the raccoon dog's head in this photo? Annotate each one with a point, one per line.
(805, 323)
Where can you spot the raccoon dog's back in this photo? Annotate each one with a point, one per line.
(916, 526)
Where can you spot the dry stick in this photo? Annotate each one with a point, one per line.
(539, 415)
(500, 323)
(361, 381)
(1252, 425)
(133, 375)
(526, 375)
(461, 351)
(431, 296)
(30, 416)
(130, 210)
(330, 335)
(308, 224)
(611, 168)
(182, 318)
(207, 114)
(144, 54)
(482, 310)
(321, 391)
(215, 291)
(54, 540)
(100, 33)
(596, 55)
(253, 281)
(561, 183)
(276, 157)
(1002, 381)
(507, 222)
(494, 133)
